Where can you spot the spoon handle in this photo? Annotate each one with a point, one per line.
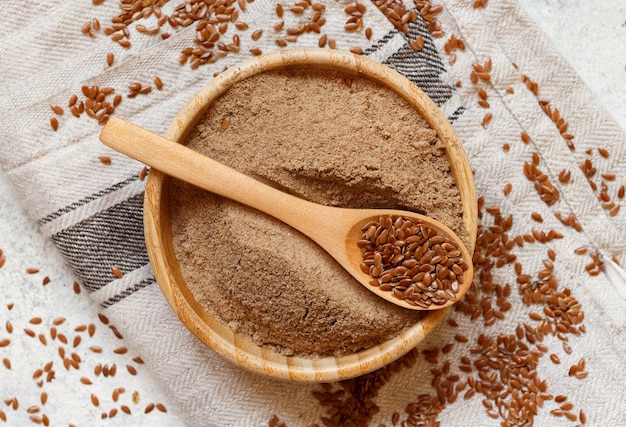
(181, 162)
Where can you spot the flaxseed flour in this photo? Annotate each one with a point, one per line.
(328, 138)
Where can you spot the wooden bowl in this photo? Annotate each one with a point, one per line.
(218, 336)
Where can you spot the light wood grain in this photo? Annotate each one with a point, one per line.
(159, 240)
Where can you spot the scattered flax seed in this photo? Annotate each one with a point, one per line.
(120, 350)
(32, 270)
(117, 272)
(116, 332)
(525, 138)
(35, 321)
(9, 326)
(225, 124)
(125, 409)
(138, 360)
(603, 152)
(76, 341)
(106, 160)
(29, 332)
(76, 287)
(131, 369)
(555, 359)
(94, 400)
(256, 35)
(564, 176)
(158, 83)
(86, 381)
(506, 147)
(95, 349)
(460, 338)
(7, 363)
(149, 408)
(417, 44)
(486, 119)
(608, 176)
(581, 375)
(507, 189)
(142, 173)
(110, 58)
(536, 216)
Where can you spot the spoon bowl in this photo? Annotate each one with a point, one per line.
(336, 230)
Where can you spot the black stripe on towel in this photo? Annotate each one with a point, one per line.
(111, 238)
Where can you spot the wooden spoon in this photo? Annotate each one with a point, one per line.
(337, 230)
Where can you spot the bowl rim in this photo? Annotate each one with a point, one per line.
(209, 330)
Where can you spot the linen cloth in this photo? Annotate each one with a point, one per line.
(93, 211)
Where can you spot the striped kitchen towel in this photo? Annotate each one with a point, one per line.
(543, 319)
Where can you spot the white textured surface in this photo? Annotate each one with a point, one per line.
(69, 400)
(590, 35)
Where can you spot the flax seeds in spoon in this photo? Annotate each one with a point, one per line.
(324, 137)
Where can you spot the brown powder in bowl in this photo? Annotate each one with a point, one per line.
(308, 133)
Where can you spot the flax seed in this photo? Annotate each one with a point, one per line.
(117, 272)
(486, 119)
(106, 160)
